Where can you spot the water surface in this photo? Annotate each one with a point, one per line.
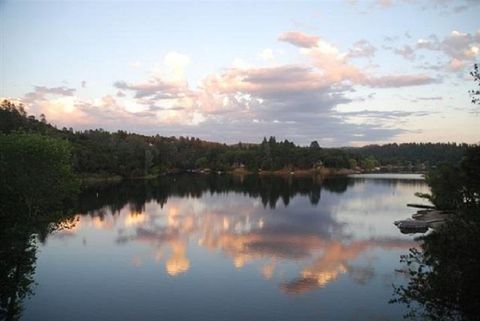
(228, 248)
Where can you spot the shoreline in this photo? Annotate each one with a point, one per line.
(88, 180)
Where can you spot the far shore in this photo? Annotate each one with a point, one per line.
(95, 179)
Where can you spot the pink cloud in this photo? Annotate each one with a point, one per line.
(245, 100)
(299, 39)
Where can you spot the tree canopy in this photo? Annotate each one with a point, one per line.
(99, 152)
(36, 170)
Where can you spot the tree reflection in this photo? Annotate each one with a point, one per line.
(270, 190)
(19, 234)
(36, 180)
(17, 267)
(443, 275)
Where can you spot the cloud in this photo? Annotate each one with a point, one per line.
(176, 64)
(297, 101)
(456, 64)
(266, 80)
(391, 38)
(461, 48)
(266, 54)
(449, 7)
(299, 39)
(336, 67)
(153, 87)
(362, 48)
(394, 114)
(57, 103)
(385, 3)
(43, 91)
(333, 64)
(457, 45)
(430, 98)
(397, 81)
(406, 52)
(380, 118)
(446, 7)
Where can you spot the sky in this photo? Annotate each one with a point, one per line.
(344, 73)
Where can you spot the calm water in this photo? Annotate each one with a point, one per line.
(225, 248)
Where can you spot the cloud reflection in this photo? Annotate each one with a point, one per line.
(336, 260)
(244, 230)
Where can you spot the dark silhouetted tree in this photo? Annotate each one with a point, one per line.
(475, 93)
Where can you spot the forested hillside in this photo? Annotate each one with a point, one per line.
(98, 152)
(414, 153)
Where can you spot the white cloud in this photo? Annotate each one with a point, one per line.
(266, 54)
(172, 68)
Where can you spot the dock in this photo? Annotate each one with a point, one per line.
(421, 221)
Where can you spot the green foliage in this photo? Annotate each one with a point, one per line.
(443, 274)
(36, 170)
(101, 153)
(352, 163)
(202, 162)
(411, 154)
(470, 169)
(36, 179)
(446, 187)
(14, 118)
(456, 187)
(369, 163)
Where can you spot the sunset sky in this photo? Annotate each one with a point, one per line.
(340, 72)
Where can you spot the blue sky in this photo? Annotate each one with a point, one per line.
(340, 72)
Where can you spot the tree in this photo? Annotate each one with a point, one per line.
(442, 272)
(456, 187)
(314, 145)
(35, 179)
(36, 170)
(352, 163)
(202, 162)
(443, 278)
(369, 163)
(475, 93)
(99, 153)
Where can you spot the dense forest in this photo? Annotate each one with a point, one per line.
(102, 153)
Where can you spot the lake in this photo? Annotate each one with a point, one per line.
(218, 247)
